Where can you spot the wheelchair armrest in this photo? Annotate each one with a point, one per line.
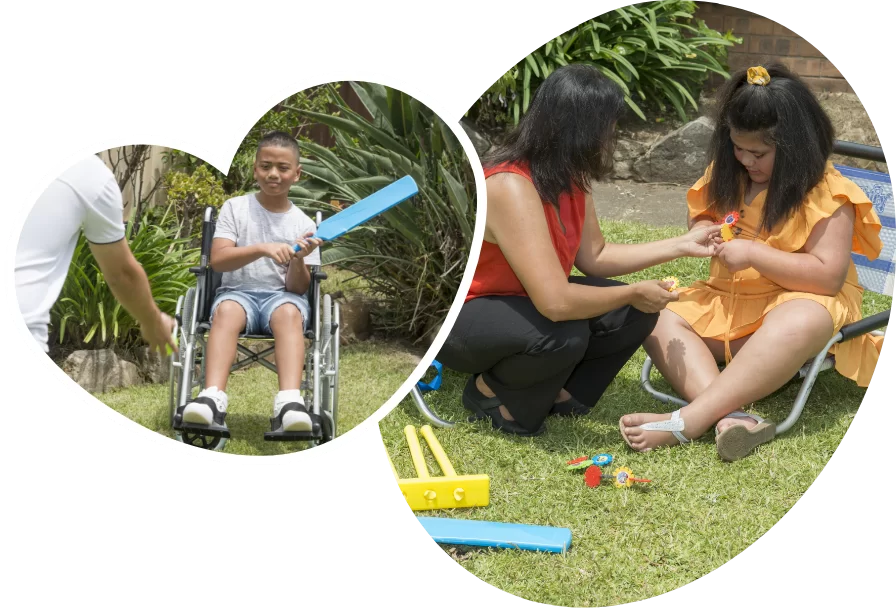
(866, 325)
(319, 275)
(199, 271)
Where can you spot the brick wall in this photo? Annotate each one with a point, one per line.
(766, 40)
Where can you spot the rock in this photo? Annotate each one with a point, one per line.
(679, 157)
(626, 152)
(97, 371)
(480, 142)
(154, 368)
(355, 323)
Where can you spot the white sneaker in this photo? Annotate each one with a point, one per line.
(290, 408)
(209, 406)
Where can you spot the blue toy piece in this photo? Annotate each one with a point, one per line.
(447, 531)
(602, 460)
(367, 208)
(434, 384)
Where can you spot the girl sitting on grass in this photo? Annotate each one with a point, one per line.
(782, 287)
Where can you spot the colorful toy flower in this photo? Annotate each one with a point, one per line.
(593, 476)
(727, 233)
(624, 478)
(673, 281)
(579, 463)
(602, 460)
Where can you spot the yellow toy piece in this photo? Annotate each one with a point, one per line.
(623, 477)
(727, 233)
(444, 492)
(674, 281)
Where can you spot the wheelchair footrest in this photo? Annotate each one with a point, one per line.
(211, 430)
(293, 435)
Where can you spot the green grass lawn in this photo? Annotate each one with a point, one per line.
(629, 544)
(369, 373)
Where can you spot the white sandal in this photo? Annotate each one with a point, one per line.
(674, 425)
(737, 441)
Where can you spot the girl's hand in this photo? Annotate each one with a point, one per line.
(700, 241)
(735, 255)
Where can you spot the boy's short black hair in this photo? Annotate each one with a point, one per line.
(280, 139)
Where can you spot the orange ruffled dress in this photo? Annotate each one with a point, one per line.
(727, 307)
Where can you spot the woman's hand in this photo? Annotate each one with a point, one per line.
(735, 255)
(652, 296)
(700, 241)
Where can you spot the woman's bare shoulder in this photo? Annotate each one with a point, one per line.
(510, 191)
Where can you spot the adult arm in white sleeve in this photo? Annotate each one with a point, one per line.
(104, 230)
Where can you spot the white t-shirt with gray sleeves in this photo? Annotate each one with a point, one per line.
(245, 222)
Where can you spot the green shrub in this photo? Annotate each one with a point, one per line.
(87, 313)
(656, 52)
(188, 196)
(285, 116)
(413, 256)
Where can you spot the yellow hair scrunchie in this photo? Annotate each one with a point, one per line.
(758, 75)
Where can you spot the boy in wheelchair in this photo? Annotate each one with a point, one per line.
(262, 246)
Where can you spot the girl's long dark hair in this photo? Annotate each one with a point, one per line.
(567, 134)
(786, 114)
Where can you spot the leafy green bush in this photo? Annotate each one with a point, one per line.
(87, 313)
(285, 116)
(413, 256)
(651, 50)
(188, 196)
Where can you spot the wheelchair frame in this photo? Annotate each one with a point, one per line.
(320, 378)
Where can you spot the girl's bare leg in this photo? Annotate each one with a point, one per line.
(790, 334)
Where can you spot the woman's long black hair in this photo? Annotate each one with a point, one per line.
(785, 113)
(567, 134)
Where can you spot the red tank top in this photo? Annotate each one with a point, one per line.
(495, 277)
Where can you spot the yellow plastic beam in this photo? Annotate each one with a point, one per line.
(450, 491)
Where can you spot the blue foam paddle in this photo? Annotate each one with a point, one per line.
(379, 202)
(447, 531)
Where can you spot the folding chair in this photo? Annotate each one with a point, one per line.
(876, 276)
(417, 395)
(320, 378)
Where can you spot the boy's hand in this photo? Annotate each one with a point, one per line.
(306, 246)
(279, 252)
(735, 255)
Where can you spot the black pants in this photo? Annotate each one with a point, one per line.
(526, 358)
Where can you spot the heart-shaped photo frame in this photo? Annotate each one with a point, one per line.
(329, 254)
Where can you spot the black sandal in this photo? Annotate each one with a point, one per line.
(487, 407)
(571, 408)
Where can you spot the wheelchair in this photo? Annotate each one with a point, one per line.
(320, 376)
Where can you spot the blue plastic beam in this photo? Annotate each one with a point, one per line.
(447, 531)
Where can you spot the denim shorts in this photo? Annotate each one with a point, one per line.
(260, 305)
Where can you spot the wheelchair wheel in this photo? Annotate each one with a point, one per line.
(206, 442)
(328, 382)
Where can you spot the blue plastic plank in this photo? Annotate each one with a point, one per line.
(379, 202)
(447, 531)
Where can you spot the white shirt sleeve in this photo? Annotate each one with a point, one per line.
(225, 225)
(104, 220)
